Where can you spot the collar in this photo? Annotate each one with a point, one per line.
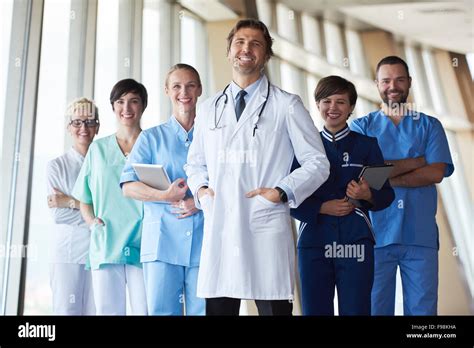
(234, 89)
(335, 137)
(180, 131)
(75, 154)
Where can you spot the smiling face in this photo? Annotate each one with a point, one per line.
(393, 84)
(128, 109)
(247, 52)
(83, 135)
(183, 89)
(335, 110)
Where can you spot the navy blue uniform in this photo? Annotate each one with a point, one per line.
(338, 251)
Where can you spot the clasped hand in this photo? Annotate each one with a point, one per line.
(342, 207)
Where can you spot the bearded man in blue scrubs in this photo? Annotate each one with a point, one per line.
(406, 232)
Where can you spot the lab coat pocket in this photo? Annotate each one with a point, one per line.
(269, 217)
(265, 201)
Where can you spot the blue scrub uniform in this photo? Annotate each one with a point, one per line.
(338, 251)
(406, 232)
(171, 247)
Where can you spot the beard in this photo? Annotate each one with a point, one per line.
(401, 99)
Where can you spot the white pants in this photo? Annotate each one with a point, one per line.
(71, 285)
(110, 284)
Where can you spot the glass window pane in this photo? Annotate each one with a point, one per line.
(194, 47)
(287, 22)
(106, 70)
(6, 16)
(6, 10)
(151, 61)
(291, 79)
(188, 40)
(50, 120)
(312, 82)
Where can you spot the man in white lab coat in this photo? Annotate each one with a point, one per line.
(239, 172)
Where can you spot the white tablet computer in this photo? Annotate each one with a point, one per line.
(153, 175)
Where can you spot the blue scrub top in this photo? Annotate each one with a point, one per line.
(165, 237)
(410, 219)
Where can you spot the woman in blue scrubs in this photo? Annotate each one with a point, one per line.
(336, 243)
(172, 225)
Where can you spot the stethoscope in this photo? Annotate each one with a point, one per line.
(224, 94)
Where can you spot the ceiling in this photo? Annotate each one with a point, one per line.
(448, 25)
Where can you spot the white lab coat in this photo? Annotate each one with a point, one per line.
(248, 248)
(71, 236)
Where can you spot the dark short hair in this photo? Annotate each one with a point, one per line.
(254, 24)
(182, 66)
(391, 60)
(128, 86)
(331, 85)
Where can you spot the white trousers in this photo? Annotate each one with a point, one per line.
(110, 285)
(72, 291)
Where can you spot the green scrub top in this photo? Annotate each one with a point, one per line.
(98, 183)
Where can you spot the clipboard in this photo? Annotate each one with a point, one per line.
(153, 175)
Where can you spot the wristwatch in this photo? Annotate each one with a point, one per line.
(283, 196)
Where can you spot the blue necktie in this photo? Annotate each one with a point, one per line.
(240, 104)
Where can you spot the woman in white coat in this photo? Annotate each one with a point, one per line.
(239, 172)
(70, 282)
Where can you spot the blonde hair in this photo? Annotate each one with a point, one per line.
(82, 107)
(182, 66)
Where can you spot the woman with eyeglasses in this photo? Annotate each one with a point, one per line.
(115, 221)
(70, 281)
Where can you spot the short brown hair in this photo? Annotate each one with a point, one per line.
(331, 85)
(391, 60)
(128, 86)
(254, 24)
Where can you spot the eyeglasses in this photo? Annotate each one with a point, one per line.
(77, 123)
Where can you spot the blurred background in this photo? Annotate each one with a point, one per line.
(53, 51)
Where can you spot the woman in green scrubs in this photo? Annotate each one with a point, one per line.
(114, 221)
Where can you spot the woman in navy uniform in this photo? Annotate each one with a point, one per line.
(336, 243)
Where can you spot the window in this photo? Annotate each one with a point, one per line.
(312, 82)
(50, 120)
(291, 79)
(287, 20)
(106, 70)
(470, 62)
(194, 47)
(6, 20)
(151, 62)
(6, 16)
